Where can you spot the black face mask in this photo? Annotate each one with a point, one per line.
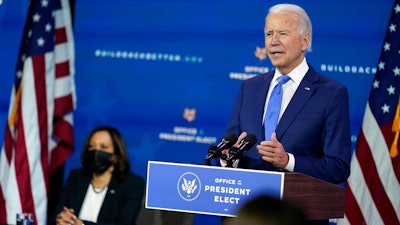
(97, 161)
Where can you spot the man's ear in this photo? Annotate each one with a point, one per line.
(305, 41)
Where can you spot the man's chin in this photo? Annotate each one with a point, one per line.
(276, 63)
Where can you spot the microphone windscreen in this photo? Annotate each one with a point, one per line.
(251, 139)
(231, 138)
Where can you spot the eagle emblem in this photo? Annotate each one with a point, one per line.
(189, 186)
(189, 114)
(260, 53)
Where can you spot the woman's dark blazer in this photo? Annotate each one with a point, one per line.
(121, 205)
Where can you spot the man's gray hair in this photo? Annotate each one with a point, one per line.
(305, 22)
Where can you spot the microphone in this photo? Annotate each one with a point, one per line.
(245, 144)
(226, 142)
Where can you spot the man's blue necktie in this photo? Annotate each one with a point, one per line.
(274, 107)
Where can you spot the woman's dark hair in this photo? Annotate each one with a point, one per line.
(121, 166)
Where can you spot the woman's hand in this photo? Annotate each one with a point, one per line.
(67, 217)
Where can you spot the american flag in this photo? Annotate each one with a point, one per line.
(373, 188)
(39, 131)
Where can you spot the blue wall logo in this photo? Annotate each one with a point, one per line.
(189, 186)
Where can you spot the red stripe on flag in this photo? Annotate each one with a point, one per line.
(354, 216)
(58, 156)
(63, 129)
(22, 167)
(62, 69)
(396, 167)
(64, 148)
(8, 144)
(39, 70)
(3, 211)
(61, 35)
(63, 105)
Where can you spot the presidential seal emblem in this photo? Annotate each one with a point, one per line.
(189, 186)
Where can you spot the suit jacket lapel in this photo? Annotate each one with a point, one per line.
(261, 95)
(305, 90)
(109, 199)
(83, 184)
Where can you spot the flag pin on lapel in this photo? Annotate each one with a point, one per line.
(307, 88)
(112, 191)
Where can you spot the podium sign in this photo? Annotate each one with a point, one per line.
(206, 189)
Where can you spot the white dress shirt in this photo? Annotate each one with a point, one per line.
(92, 203)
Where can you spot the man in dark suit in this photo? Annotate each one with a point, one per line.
(313, 132)
(312, 135)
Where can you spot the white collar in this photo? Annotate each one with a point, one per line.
(297, 74)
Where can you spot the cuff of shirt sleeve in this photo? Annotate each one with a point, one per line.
(290, 166)
(224, 164)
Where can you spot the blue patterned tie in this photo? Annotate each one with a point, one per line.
(274, 107)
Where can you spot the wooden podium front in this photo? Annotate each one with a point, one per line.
(319, 199)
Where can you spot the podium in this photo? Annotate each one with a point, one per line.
(318, 199)
(222, 191)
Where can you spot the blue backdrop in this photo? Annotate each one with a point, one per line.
(166, 72)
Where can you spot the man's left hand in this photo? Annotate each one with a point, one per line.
(273, 152)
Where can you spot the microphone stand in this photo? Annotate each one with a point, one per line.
(234, 153)
(213, 152)
(229, 163)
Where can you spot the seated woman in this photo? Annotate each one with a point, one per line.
(103, 191)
